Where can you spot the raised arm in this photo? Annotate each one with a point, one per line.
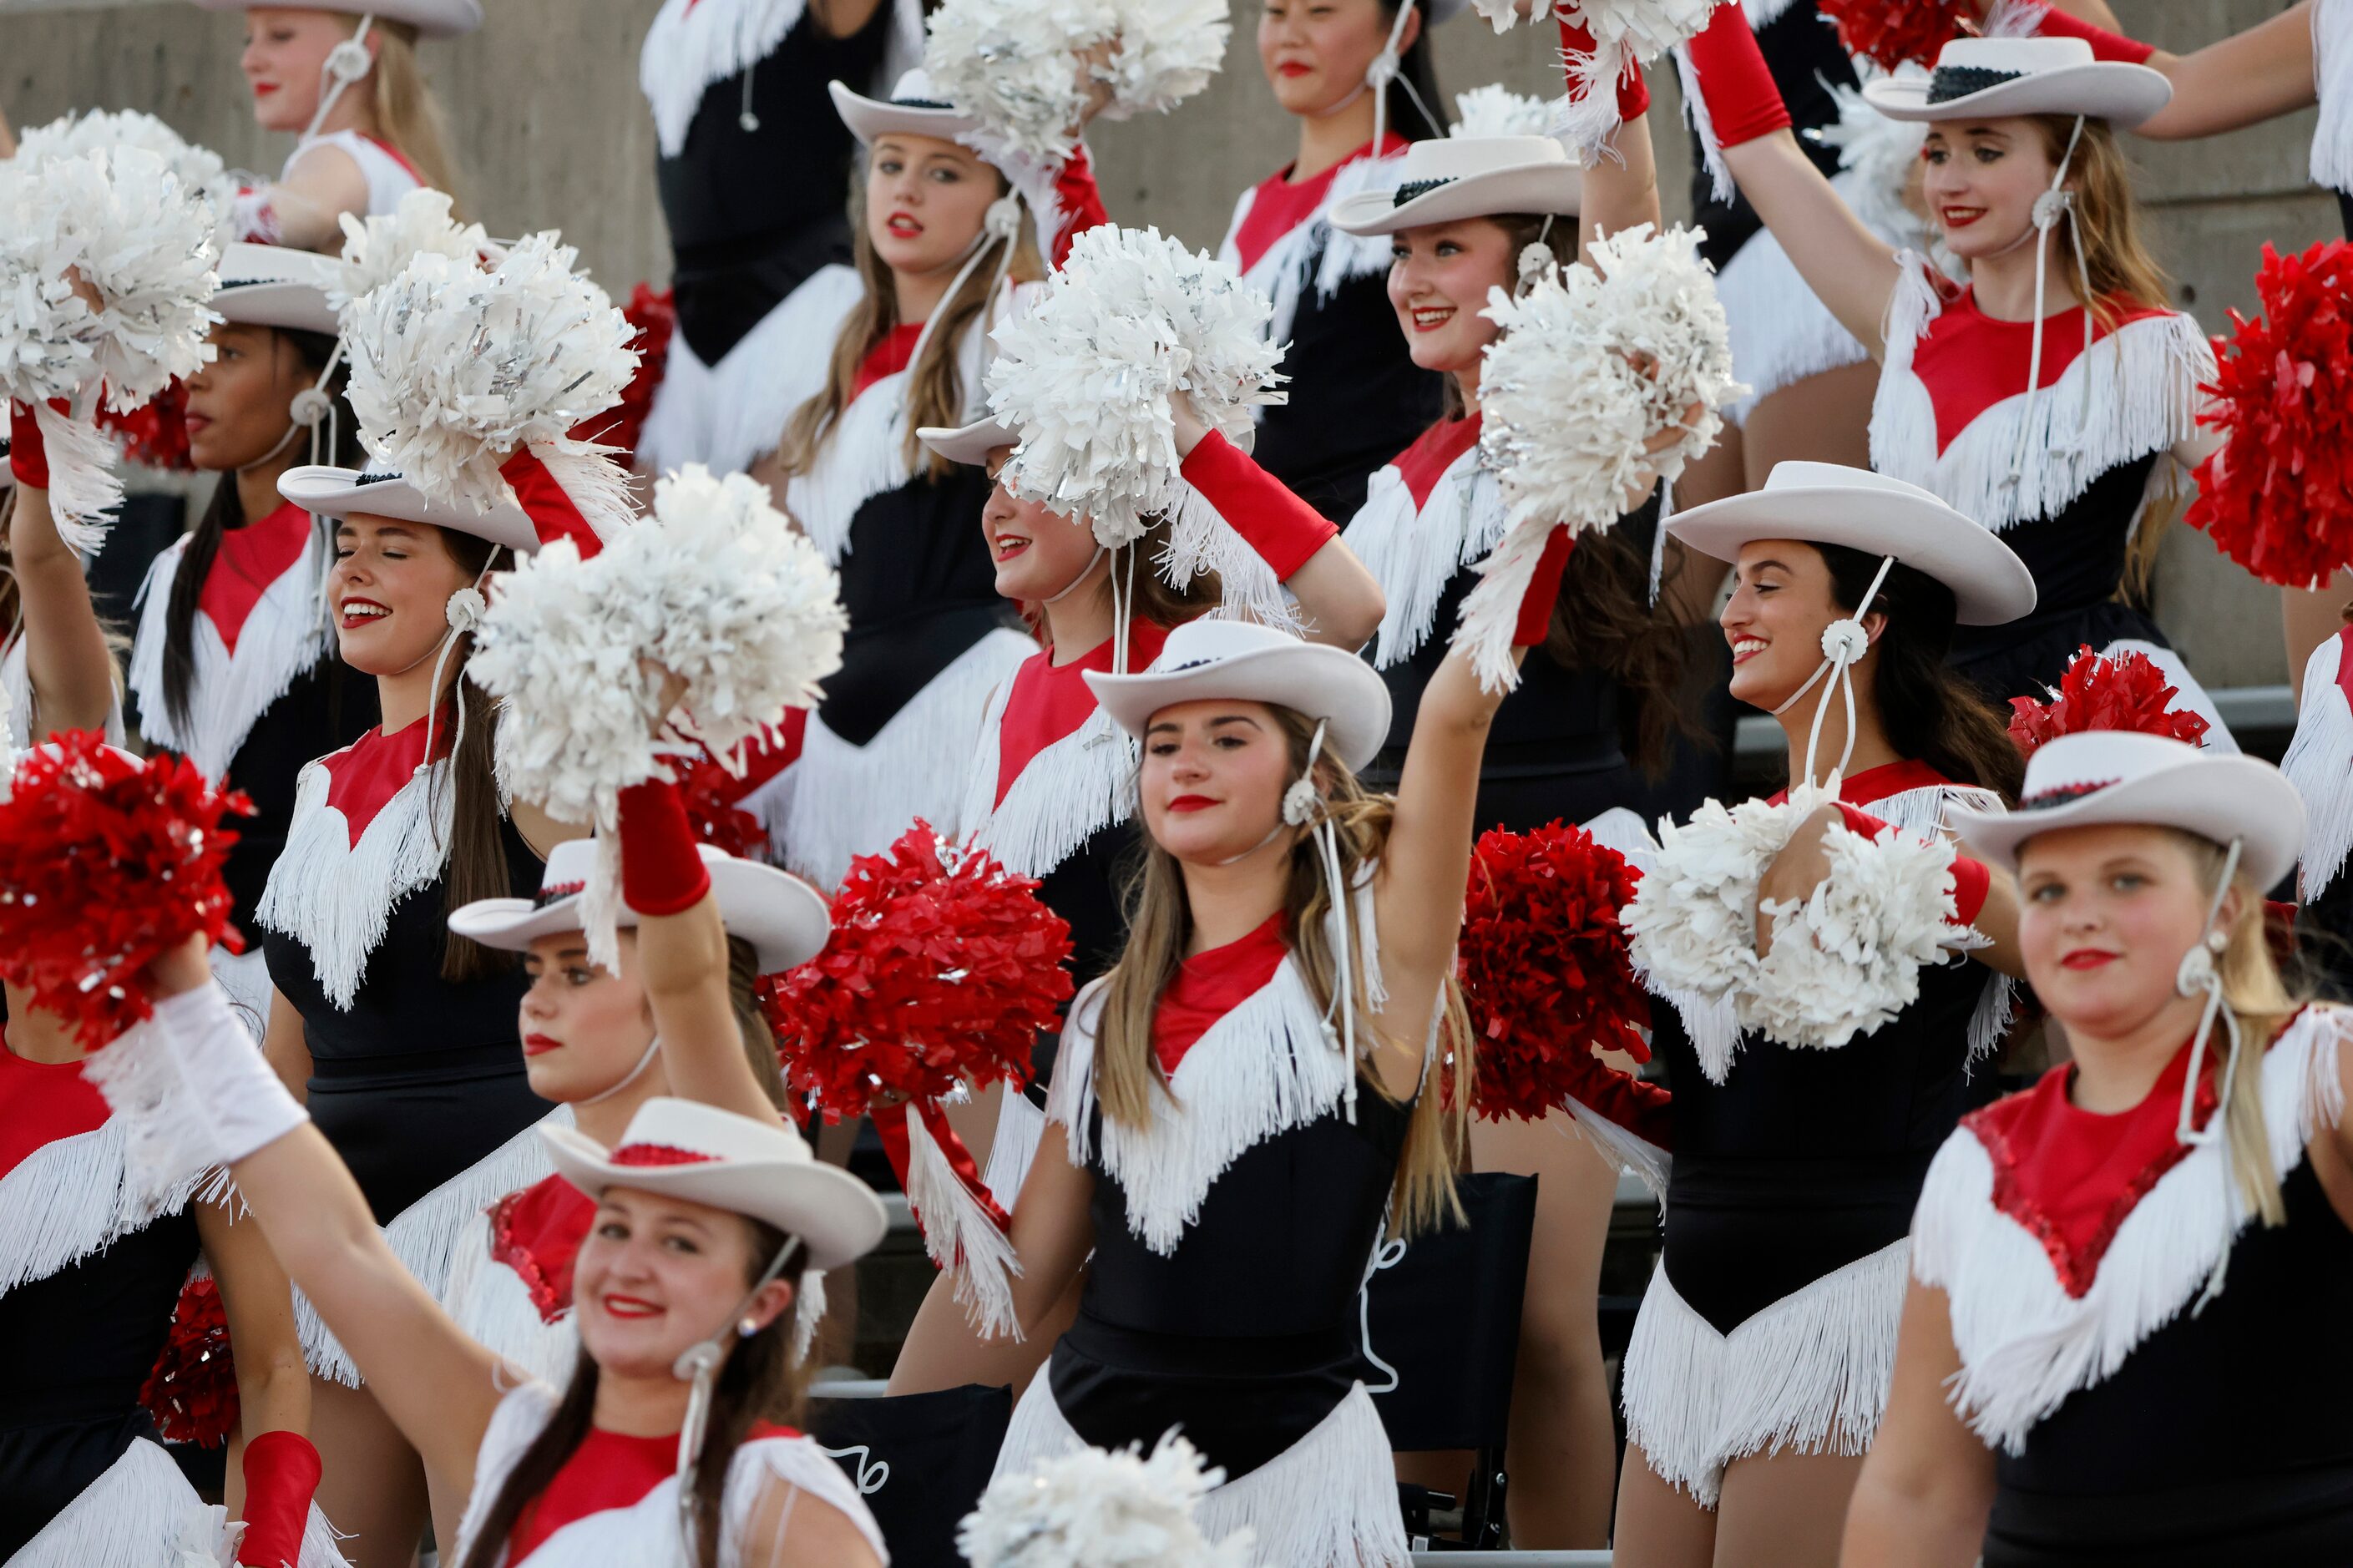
(1927, 1485)
(66, 660)
(1850, 269)
(2244, 79)
(304, 211)
(1622, 185)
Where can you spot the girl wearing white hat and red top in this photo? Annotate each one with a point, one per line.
(2054, 398)
(667, 1446)
(940, 242)
(1052, 785)
(402, 1035)
(2129, 1284)
(233, 665)
(1356, 75)
(343, 77)
(1808, 1102)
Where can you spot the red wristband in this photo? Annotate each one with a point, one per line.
(1081, 201)
(662, 863)
(1544, 589)
(2113, 47)
(1743, 100)
(1633, 92)
(549, 506)
(28, 455)
(1971, 882)
(1285, 531)
(281, 1472)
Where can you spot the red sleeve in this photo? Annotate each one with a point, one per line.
(661, 866)
(281, 1472)
(1544, 591)
(550, 507)
(1742, 102)
(1079, 199)
(1971, 881)
(1283, 529)
(28, 455)
(1633, 92)
(2113, 47)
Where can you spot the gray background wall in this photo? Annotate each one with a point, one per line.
(550, 132)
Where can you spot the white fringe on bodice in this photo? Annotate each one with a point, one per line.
(1312, 255)
(2319, 763)
(73, 1197)
(1065, 795)
(489, 1300)
(729, 415)
(1414, 553)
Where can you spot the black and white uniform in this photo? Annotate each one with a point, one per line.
(753, 174)
(1769, 1324)
(2135, 1419)
(1231, 1237)
(418, 1083)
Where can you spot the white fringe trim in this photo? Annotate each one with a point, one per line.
(285, 635)
(839, 800)
(1415, 553)
(2144, 399)
(160, 1149)
(2025, 1344)
(728, 415)
(490, 1303)
(1764, 13)
(1329, 1500)
(1020, 1126)
(141, 1513)
(73, 1197)
(425, 1235)
(17, 686)
(336, 897)
(1064, 796)
(244, 979)
(1648, 1164)
(691, 46)
(1313, 253)
(960, 1237)
(2332, 78)
(592, 481)
(1809, 1374)
(1696, 114)
(84, 492)
(2319, 763)
(1199, 541)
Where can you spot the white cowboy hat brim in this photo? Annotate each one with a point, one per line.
(868, 117)
(968, 444)
(431, 19)
(1539, 188)
(782, 917)
(2216, 798)
(1322, 683)
(340, 492)
(1990, 584)
(835, 1215)
(2123, 95)
(293, 305)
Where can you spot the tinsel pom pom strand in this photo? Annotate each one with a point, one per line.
(1016, 66)
(1093, 1509)
(379, 249)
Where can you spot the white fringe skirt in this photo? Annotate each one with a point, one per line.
(141, 1513)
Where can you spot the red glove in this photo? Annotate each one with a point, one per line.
(1633, 92)
(1544, 590)
(28, 455)
(1285, 531)
(549, 506)
(282, 1471)
(1742, 102)
(1971, 879)
(662, 864)
(2106, 46)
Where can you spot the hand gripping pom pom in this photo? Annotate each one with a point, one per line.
(1497, 111)
(1590, 365)
(106, 862)
(192, 1391)
(2102, 692)
(1090, 1508)
(378, 249)
(1624, 32)
(1014, 64)
(2278, 497)
(1085, 379)
(1889, 33)
(1545, 968)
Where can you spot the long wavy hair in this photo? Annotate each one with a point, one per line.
(407, 115)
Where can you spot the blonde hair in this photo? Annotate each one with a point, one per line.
(408, 116)
(2118, 265)
(1126, 1072)
(936, 384)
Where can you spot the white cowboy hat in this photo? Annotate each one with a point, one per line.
(781, 916)
(762, 1170)
(339, 492)
(970, 443)
(2124, 776)
(431, 19)
(1830, 503)
(272, 286)
(1989, 78)
(914, 107)
(1243, 661)
(1456, 177)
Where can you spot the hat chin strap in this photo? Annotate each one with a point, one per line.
(2198, 974)
(1844, 642)
(346, 63)
(653, 1049)
(464, 613)
(1383, 71)
(1002, 222)
(2049, 208)
(698, 1365)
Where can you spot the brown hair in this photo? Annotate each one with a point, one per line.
(1160, 922)
(937, 384)
(476, 866)
(751, 1021)
(408, 116)
(760, 1381)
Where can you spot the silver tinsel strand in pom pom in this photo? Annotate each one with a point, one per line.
(377, 249)
(1096, 1510)
(1496, 110)
(1014, 65)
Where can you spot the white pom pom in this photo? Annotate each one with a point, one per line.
(1095, 1509)
(1014, 64)
(199, 169)
(1497, 111)
(453, 367)
(1623, 32)
(378, 249)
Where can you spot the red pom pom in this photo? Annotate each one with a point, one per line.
(2127, 691)
(156, 432)
(711, 792)
(105, 863)
(2278, 497)
(943, 968)
(1544, 966)
(1889, 33)
(192, 1391)
(655, 317)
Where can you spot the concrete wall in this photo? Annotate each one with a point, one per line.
(551, 132)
